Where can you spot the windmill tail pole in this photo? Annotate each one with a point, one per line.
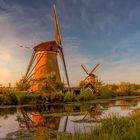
(59, 41)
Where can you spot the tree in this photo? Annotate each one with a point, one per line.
(125, 87)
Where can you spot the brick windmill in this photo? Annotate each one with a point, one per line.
(91, 81)
(44, 58)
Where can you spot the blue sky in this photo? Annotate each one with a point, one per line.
(93, 31)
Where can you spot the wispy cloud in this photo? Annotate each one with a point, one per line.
(93, 32)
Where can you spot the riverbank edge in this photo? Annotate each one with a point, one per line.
(103, 100)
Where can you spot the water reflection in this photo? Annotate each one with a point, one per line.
(59, 117)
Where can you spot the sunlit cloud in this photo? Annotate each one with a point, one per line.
(92, 32)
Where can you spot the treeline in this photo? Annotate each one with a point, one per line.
(51, 90)
(124, 87)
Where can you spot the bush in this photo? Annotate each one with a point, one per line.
(13, 99)
(23, 84)
(4, 100)
(8, 99)
(56, 96)
(1, 99)
(31, 98)
(69, 96)
(85, 95)
(105, 92)
(4, 90)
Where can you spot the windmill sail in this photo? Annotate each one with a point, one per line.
(94, 68)
(59, 41)
(57, 30)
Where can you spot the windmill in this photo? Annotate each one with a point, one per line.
(91, 81)
(44, 59)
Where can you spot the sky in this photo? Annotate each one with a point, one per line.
(93, 31)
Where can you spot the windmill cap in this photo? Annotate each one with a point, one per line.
(47, 46)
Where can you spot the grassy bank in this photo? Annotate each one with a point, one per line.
(112, 128)
(8, 97)
(24, 97)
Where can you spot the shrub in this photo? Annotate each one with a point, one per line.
(105, 92)
(50, 83)
(56, 96)
(13, 99)
(31, 98)
(8, 99)
(4, 90)
(23, 84)
(20, 96)
(5, 100)
(85, 95)
(1, 100)
(69, 96)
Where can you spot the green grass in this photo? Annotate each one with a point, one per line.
(22, 97)
(8, 97)
(112, 128)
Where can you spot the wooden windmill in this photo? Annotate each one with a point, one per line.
(91, 80)
(44, 58)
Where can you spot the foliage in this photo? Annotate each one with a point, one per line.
(85, 95)
(8, 99)
(105, 92)
(125, 87)
(69, 96)
(4, 90)
(23, 84)
(31, 98)
(22, 97)
(50, 83)
(56, 97)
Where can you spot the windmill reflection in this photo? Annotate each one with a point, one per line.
(49, 122)
(59, 118)
(24, 119)
(31, 120)
(38, 122)
(93, 114)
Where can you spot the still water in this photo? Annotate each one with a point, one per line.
(61, 117)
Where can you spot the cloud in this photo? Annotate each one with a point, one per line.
(17, 29)
(118, 55)
(120, 65)
(13, 58)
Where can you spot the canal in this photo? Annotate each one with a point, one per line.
(28, 122)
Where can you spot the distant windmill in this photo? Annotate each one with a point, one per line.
(91, 80)
(44, 58)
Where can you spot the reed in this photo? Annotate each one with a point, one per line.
(112, 128)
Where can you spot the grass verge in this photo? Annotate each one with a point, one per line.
(112, 128)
